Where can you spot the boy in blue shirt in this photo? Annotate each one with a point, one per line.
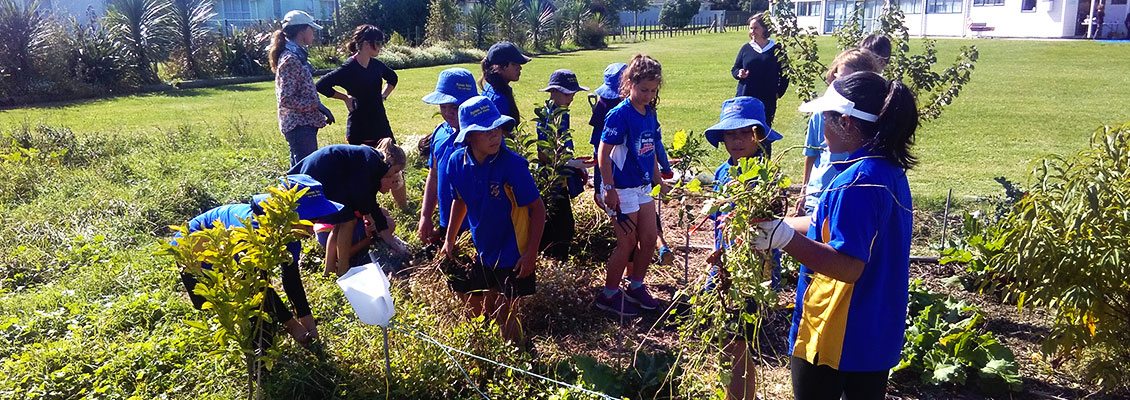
(454, 86)
(489, 181)
(562, 88)
(313, 205)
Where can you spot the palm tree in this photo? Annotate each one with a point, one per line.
(189, 19)
(538, 19)
(508, 17)
(479, 21)
(141, 27)
(23, 34)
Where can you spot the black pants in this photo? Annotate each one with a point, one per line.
(560, 227)
(821, 382)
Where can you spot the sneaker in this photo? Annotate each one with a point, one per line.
(641, 297)
(617, 303)
(666, 256)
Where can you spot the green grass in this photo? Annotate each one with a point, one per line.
(1027, 99)
(84, 307)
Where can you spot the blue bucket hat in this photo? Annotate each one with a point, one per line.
(503, 53)
(611, 87)
(478, 114)
(564, 81)
(313, 204)
(455, 85)
(737, 113)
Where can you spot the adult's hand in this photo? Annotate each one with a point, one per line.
(329, 115)
(743, 73)
(350, 103)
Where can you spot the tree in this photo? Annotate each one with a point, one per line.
(23, 33)
(141, 28)
(478, 23)
(443, 16)
(508, 19)
(537, 17)
(189, 19)
(678, 13)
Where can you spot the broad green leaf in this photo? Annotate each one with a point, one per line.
(680, 140)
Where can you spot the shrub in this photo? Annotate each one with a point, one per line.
(243, 52)
(24, 33)
(678, 13)
(592, 33)
(96, 59)
(443, 18)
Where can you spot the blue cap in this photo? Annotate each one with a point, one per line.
(503, 53)
(564, 81)
(455, 85)
(478, 114)
(737, 113)
(313, 204)
(611, 87)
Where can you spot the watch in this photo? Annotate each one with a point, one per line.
(605, 187)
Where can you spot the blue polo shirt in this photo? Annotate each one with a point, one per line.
(500, 101)
(498, 187)
(443, 144)
(822, 171)
(229, 215)
(635, 136)
(599, 113)
(866, 214)
(573, 180)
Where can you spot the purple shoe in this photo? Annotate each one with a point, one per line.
(617, 303)
(641, 297)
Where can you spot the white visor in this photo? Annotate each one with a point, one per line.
(834, 101)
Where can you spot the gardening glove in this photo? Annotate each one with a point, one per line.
(773, 234)
(329, 115)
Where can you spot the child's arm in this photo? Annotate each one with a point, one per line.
(529, 257)
(342, 236)
(426, 228)
(331, 252)
(824, 259)
(656, 178)
(454, 221)
(611, 200)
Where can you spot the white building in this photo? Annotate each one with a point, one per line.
(1005, 18)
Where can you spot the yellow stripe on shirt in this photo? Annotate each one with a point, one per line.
(520, 217)
(820, 336)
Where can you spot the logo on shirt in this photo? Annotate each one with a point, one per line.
(494, 189)
(647, 145)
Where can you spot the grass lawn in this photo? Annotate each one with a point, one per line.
(1027, 99)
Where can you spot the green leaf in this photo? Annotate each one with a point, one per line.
(196, 324)
(695, 186)
(680, 140)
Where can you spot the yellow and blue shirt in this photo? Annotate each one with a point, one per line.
(864, 213)
(635, 137)
(498, 193)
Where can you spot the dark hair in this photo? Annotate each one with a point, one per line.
(364, 34)
(878, 44)
(641, 68)
(491, 76)
(760, 18)
(892, 135)
(278, 43)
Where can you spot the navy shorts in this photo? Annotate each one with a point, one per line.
(480, 278)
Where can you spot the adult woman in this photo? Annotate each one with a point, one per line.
(850, 313)
(502, 65)
(301, 114)
(758, 69)
(353, 175)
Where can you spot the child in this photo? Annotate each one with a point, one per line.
(502, 65)
(313, 205)
(628, 168)
(353, 175)
(454, 86)
(741, 128)
(818, 161)
(562, 88)
(489, 181)
(850, 313)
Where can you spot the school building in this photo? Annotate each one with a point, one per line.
(237, 13)
(972, 18)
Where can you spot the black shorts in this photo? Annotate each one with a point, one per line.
(821, 382)
(480, 279)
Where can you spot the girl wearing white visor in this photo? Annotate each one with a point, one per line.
(850, 313)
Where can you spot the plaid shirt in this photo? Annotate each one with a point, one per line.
(295, 92)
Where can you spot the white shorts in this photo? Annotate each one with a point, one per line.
(631, 198)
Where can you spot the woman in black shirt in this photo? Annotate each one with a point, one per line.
(758, 69)
(362, 77)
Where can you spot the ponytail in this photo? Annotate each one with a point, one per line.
(364, 34)
(892, 134)
(278, 44)
(393, 154)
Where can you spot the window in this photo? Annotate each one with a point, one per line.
(837, 14)
(981, 3)
(946, 6)
(1028, 5)
(1113, 2)
(808, 9)
(237, 9)
(910, 6)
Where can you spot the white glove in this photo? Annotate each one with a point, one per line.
(773, 234)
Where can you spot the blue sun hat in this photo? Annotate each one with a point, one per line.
(455, 85)
(478, 114)
(313, 204)
(611, 87)
(737, 113)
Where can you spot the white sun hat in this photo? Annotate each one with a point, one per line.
(832, 100)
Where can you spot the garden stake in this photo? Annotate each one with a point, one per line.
(946, 216)
(388, 368)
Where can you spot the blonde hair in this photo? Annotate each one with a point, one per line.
(641, 68)
(393, 154)
(858, 59)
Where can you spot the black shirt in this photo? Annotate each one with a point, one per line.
(766, 80)
(368, 122)
(350, 175)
